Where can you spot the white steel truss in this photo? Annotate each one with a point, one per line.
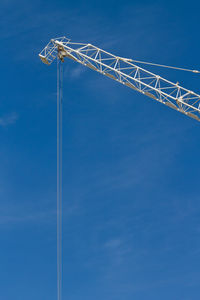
(125, 72)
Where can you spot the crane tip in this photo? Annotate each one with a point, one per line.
(44, 59)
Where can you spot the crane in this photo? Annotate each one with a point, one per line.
(126, 72)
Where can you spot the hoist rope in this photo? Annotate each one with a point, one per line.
(164, 66)
(59, 178)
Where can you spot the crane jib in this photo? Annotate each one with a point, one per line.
(125, 72)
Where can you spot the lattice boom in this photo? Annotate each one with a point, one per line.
(125, 72)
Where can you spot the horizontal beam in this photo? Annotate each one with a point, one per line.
(124, 71)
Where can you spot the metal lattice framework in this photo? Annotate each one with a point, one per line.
(125, 72)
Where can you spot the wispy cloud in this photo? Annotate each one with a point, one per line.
(113, 243)
(26, 218)
(117, 249)
(9, 119)
(75, 73)
(12, 215)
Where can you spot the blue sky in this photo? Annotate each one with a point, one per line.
(130, 166)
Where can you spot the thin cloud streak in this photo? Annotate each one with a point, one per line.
(11, 219)
(15, 216)
(9, 119)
